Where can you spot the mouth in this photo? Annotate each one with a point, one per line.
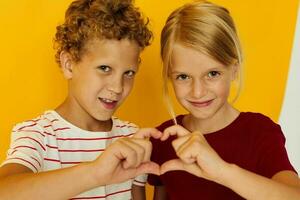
(201, 104)
(108, 103)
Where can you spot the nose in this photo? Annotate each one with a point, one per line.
(116, 85)
(199, 89)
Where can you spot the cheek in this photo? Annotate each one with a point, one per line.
(128, 85)
(180, 90)
(223, 88)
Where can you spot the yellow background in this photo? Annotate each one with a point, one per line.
(31, 82)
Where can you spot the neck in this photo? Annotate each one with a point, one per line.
(218, 121)
(76, 115)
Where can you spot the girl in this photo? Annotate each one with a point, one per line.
(78, 150)
(228, 154)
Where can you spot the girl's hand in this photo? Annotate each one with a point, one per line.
(127, 158)
(196, 156)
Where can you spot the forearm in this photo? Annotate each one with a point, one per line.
(252, 186)
(52, 185)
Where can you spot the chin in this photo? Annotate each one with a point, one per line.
(103, 117)
(202, 115)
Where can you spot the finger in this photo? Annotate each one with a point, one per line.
(190, 149)
(171, 165)
(147, 147)
(174, 130)
(147, 133)
(148, 168)
(177, 143)
(176, 164)
(139, 154)
(187, 154)
(125, 154)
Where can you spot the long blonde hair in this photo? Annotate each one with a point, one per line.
(205, 27)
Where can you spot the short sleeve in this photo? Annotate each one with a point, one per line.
(140, 180)
(273, 156)
(27, 147)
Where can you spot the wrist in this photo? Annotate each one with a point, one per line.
(226, 174)
(94, 178)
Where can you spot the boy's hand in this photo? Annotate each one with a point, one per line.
(196, 156)
(127, 158)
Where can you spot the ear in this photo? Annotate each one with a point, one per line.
(66, 64)
(235, 71)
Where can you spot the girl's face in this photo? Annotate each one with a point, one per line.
(201, 84)
(103, 78)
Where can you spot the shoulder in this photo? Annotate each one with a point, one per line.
(261, 126)
(35, 123)
(258, 120)
(125, 127)
(41, 125)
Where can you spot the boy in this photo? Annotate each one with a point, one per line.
(98, 49)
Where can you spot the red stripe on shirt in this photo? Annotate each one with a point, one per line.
(23, 146)
(24, 161)
(81, 150)
(52, 160)
(36, 161)
(54, 120)
(27, 126)
(70, 162)
(33, 120)
(97, 197)
(48, 133)
(30, 131)
(51, 147)
(13, 152)
(61, 129)
(74, 150)
(62, 162)
(104, 138)
(20, 138)
(118, 126)
(140, 182)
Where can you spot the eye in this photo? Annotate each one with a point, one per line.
(213, 74)
(104, 68)
(182, 77)
(130, 73)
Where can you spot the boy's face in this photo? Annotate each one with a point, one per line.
(104, 77)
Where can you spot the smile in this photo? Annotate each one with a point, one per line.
(201, 104)
(108, 103)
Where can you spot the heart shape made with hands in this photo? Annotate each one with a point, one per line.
(184, 146)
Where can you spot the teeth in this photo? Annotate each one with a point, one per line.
(107, 100)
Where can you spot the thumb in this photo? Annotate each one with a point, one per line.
(178, 164)
(148, 168)
(147, 133)
(171, 165)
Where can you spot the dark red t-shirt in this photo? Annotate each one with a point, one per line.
(252, 141)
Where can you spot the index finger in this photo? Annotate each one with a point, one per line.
(174, 130)
(147, 133)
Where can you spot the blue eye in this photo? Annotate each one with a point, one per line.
(104, 68)
(130, 73)
(212, 74)
(182, 77)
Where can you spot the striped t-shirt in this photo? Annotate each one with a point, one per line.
(49, 142)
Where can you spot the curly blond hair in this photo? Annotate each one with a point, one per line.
(99, 19)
